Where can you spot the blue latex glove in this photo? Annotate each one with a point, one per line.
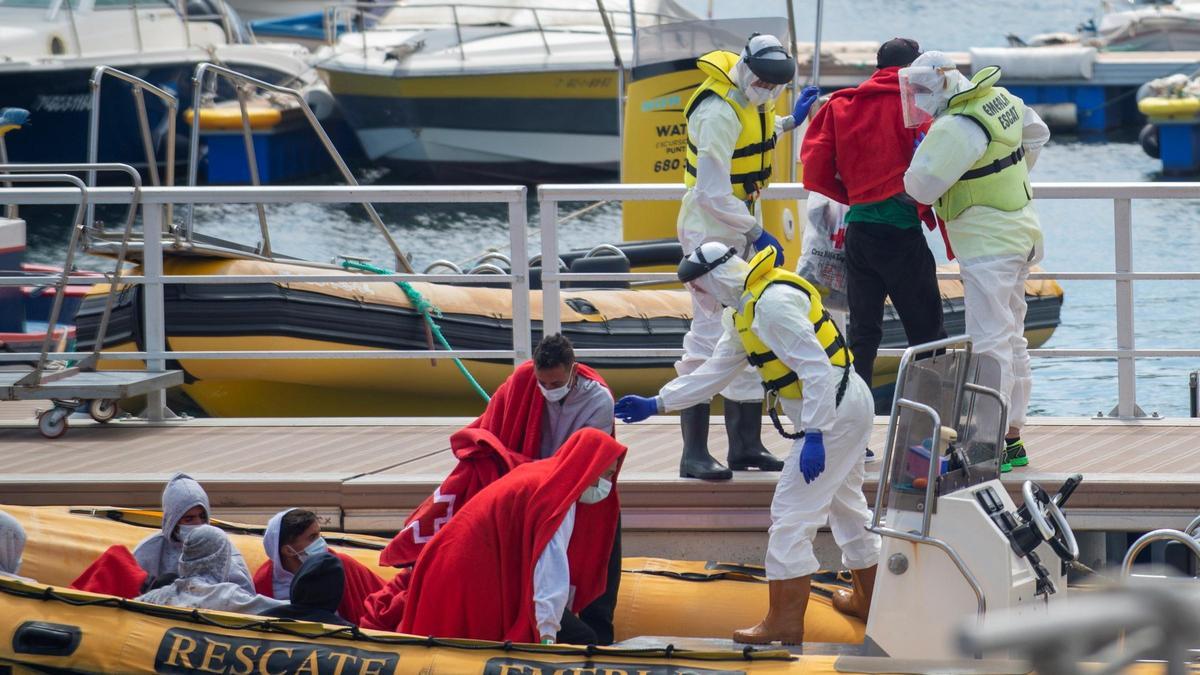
(767, 239)
(808, 96)
(812, 456)
(634, 408)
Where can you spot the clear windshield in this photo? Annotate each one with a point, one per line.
(544, 13)
(689, 39)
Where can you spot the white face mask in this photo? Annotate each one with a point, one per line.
(317, 547)
(597, 492)
(556, 395)
(185, 530)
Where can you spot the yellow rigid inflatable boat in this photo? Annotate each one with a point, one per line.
(658, 597)
(354, 315)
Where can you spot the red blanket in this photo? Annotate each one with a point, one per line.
(475, 578)
(115, 572)
(857, 148)
(384, 609)
(507, 434)
(361, 582)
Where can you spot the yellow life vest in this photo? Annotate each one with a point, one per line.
(750, 169)
(775, 374)
(1000, 179)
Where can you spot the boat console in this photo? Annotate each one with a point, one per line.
(955, 543)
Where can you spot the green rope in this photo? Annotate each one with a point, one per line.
(427, 310)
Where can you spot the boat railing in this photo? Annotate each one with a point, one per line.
(137, 87)
(1165, 535)
(154, 202)
(243, 84)
(1126, 353)
(356, 15)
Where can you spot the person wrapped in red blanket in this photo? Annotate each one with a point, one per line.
(527, 553)
(855, 152)
(292, 537)
(537, 408)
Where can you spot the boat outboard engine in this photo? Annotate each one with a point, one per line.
(954, 542)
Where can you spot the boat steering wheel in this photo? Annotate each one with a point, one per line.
(1050, 522)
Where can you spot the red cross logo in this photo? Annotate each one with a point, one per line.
(838, 238)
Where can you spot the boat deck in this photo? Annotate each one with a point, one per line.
(367, 474)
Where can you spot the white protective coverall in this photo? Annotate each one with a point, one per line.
(12, 544)
(587, 404)
(995, 249)
(552, 588)
(798, 509)
(710, 212)
(158, 553)
(204, 564)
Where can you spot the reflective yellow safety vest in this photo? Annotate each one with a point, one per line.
(750, 170)
(775, 375)
(1000, 179)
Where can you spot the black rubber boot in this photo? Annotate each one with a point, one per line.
(743, 425)
(696, 462)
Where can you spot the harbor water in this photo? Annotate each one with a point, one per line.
(1078, 234)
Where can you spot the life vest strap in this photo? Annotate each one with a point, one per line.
(752, 178)
(744, 151)
(996, 166)
(760, 360)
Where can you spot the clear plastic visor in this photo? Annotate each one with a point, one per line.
(919, 88)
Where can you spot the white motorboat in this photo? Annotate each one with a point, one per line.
(49, 49)
(499, 90)
(1132, 25)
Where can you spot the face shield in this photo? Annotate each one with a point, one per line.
(705, 301)
(921, 94)
(714, 275)
(764, 69)
(756, 90)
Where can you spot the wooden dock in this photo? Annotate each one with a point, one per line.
(367, 474)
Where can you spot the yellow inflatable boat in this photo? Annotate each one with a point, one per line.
(679, 598)
(354, 315)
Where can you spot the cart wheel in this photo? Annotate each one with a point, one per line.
(52, 423)
(103, 409)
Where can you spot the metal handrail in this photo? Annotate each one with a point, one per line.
(334, 15)
(1193, 528)
(549, 198)
(137, 86)
(1145, 540)
(976, 587)
(238, 79)
(35, 377)
(1121, 194)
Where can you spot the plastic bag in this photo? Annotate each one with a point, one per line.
(823, 256)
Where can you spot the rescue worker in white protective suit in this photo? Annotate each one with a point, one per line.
(973, 167)
(732, 129)
(775, 321)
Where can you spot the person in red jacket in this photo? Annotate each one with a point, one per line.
(526, 554)
(855, 152)
(292, 537)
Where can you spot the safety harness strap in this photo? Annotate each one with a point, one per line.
(996, 166)
(744, 151)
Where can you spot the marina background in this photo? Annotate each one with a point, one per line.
(1078, 233)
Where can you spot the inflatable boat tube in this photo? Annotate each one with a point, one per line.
(694, 599)
(1175, 109)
